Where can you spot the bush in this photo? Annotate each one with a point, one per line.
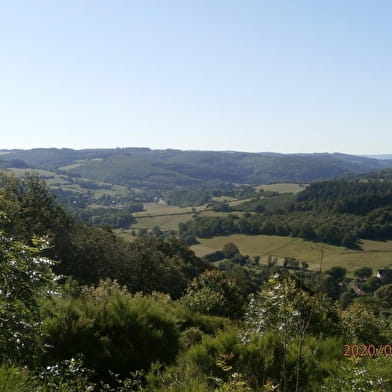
(204, 355)
(214, 294)
(112, 329)
(15, 380)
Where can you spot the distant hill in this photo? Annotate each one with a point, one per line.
(142, 167)
(380, 156)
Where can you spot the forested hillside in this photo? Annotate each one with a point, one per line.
(142, 167)
(83, 310)
(339, 212)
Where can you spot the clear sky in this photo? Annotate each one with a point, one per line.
(284, 76)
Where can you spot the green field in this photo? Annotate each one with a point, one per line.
(165, 222)
(169, 217)
(162, 215)
(160, 209)
(376, 254)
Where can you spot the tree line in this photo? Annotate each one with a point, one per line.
(338, 212)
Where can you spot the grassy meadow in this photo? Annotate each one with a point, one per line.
(375, 254)
(162, 215)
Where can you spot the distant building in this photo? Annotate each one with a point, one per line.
(385, 275)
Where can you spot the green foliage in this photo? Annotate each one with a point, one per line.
(213, 293)
(273, 308)
(221, 206)
(147, 264)
(204, 356)
(228, 363)
(384, 295)
(30, 208)
(91, 338)
(112, 329)
(363, 273)
(188, 198)
(15, 380)
(91, 253)
(331, 282)
(189, 337)
(361, 325)
(353, 376)
(354, 197)
(67, 376)
(181, 378)
(165, 265)
(236, 383)
(25, 275)
(207, 324)
(336, 212)
(113, 217)
(230, 250)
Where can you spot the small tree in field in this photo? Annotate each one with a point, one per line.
(230, 250)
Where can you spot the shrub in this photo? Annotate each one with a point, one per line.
(214, 294)
(15, 380)
(112, 329)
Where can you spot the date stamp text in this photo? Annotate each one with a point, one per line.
(367, 350)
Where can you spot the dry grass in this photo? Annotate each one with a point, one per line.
(283, 187)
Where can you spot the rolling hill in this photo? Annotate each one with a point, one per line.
(143, 167)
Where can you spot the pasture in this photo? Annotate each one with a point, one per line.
(375, 254)
(162, 215)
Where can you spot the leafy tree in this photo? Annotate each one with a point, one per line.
(384, 295)
(338, 273)
(363, 273)
(31, 209)
(308, 232)
(272, 308)
(154, 264)
(213, 293)
(360, 325)
(372, 284)
(214, 256)
(156, 231)
(230, 250)
(331, 282)
(25, 275)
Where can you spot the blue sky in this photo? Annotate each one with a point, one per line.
(285, 76)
